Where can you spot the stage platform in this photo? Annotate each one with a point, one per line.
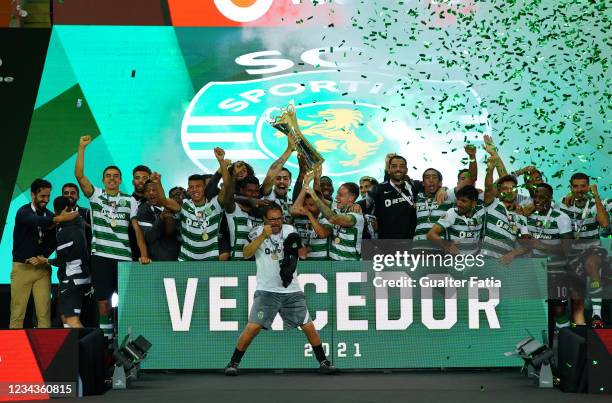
(407, 386)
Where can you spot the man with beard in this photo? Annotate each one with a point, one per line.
(342, 224)
(280, 177)
(279, 194)
(550, 230)
(200, 217)
(503, 222)
(429, 210)
(140, 175)
(71, 191)
(392, 202)
(272, 296)
(588, 215)
(462, 225)
(113, 213)
(365, 184)
(313, 228)
(33, 242)
(158, 226)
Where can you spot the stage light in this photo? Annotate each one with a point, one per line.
(128, 357)
(537, 359)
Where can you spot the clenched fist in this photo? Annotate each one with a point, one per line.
(84, 141)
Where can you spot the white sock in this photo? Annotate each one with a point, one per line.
(596, 302)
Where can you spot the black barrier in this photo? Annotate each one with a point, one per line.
(571, 361)
(92, 369)
(599, 360)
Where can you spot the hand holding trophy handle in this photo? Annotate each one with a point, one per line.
(287, 124)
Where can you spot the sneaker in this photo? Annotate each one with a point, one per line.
(231, 369)
(327, 368)
(596, 322)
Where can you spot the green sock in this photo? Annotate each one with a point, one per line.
(107, 327)
(562, 321)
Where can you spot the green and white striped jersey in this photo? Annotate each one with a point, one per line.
(345, 242)
(428, 212)
(111, 216)
(549, 229)
(240, 223)
(200, 230)
(584, 225)
(607, 232)
(502, 227)
(464, 231)
(318, 248)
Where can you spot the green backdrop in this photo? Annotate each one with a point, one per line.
(421, 78)
(208, 321)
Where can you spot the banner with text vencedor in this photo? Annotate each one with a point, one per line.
(193, 313)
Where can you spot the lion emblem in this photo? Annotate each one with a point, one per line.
(338, 127)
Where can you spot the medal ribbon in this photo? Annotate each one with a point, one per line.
(402, 193)
(40, 231)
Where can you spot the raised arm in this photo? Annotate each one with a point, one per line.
(492, 150)
(529, 169)
(298, 202)
(490, 192)
(473, 167)
(602, 215)
(297, 189)
(275, 168)
(251, 247)
(297, 208)
(318, 172)
(212, 188)
(167, 202)
(226, 195)
(79, 167)
(343, 220)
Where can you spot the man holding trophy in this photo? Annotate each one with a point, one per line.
(277, 248)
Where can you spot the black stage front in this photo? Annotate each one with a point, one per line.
(409, 386)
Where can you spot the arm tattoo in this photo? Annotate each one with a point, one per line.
(324, 209)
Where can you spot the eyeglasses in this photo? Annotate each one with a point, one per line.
(274, 219)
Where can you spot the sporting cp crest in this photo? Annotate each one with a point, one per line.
(345, 116)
